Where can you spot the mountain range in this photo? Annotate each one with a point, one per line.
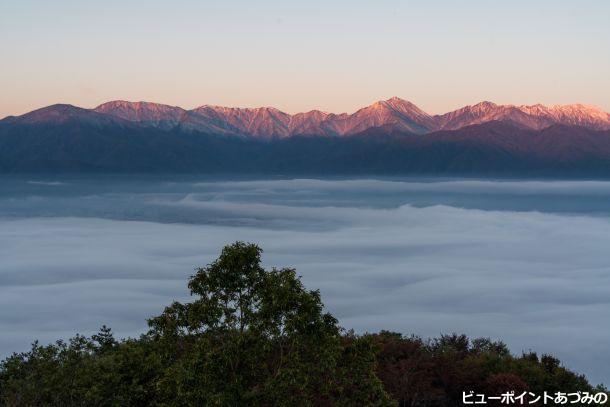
(388, 137)
(394, 114)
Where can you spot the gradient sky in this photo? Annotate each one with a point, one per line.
(336, 56)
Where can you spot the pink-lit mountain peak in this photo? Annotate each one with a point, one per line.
(395, 113)
(393, 104)
(573, 114)
(154, 114)
(536, 116)
(138, 108)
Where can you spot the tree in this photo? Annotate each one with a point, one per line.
(258, 337)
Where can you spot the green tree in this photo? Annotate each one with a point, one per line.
(253, 336)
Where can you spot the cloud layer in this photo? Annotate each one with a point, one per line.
(533, 279)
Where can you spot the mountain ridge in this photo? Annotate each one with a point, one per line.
(394, 114)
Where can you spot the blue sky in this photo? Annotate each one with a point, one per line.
(336, 56)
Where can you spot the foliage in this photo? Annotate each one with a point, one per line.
(436, 372)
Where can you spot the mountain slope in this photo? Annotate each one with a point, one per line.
(262, 122)
(150, 114)
(532, 117)
(575, 115)
(82, 144)
(59, 114)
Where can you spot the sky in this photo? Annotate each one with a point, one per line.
(504, 261)
(331, 55)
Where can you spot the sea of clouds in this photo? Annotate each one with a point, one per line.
(524, 262)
